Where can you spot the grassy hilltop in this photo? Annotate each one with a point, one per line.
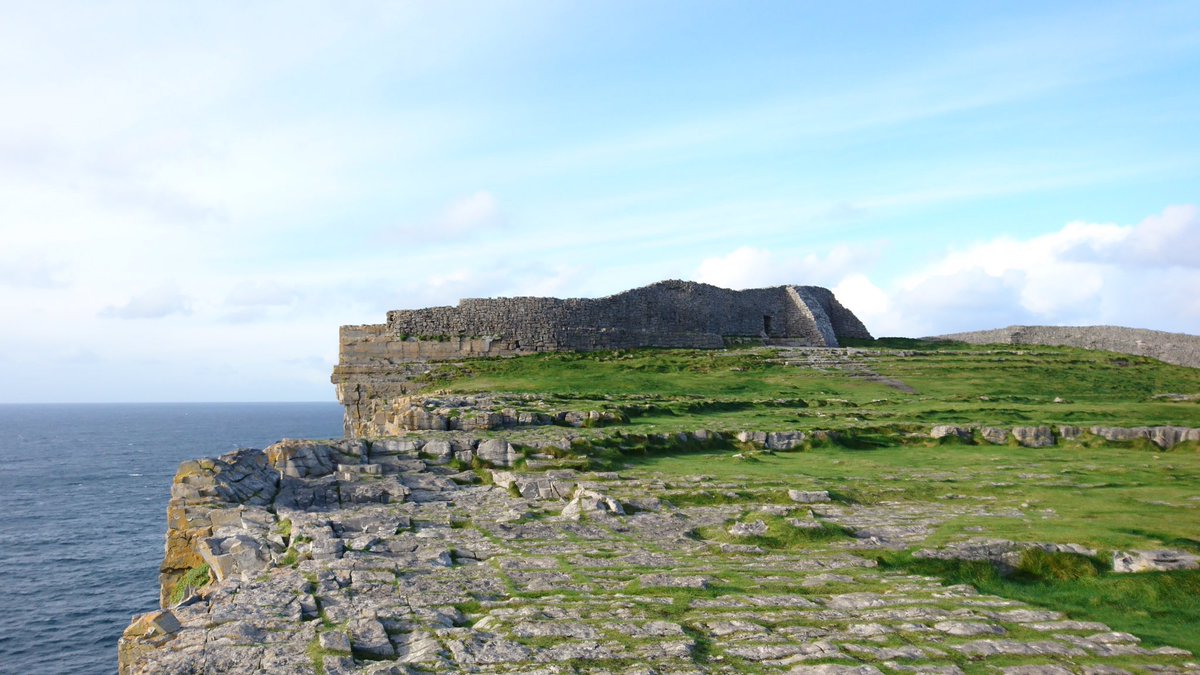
(891, 382)
(881, 398)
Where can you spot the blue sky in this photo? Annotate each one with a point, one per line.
(194, 196)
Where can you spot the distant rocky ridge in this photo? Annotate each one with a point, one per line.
(1178, 348)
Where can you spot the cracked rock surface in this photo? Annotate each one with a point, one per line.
(357, 557)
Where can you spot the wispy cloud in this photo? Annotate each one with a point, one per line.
(35, 272)
(155, 303)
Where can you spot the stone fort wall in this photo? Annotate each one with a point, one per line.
(377, 363)
(1177, 348)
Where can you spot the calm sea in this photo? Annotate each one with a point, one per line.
(83, 499)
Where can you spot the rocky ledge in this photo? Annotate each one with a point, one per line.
(386, 557)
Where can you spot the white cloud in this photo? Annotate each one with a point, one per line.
(1085, 273)
(31, 272)
(155, 303)
(750, 267)
(1171, 238)
(1144, 275)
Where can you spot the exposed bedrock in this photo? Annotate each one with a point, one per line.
(381, 556)
(203, 527)
(1178, 348)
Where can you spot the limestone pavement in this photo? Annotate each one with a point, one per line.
(357, 557)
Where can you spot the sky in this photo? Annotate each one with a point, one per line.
(194, 196)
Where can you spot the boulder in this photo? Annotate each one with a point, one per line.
(497, 452)
(994, 435)
(1168, 437)
(1034, 437)
(1119, 434)
(784, 440)
(755, 437)
(587, 502)
(1069, 432)
(438, 452)
(950, 431)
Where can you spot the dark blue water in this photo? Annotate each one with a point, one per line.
(83, 499)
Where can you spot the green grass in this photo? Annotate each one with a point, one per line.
(780, 535)
(1105, 498)
(1102, 497)
(195, 578)
(878, 405)
(1160, 608)
(765, 389)
(316, 655)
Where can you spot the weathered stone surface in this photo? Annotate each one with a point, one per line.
(754, 529)
(994, 435)
(1068, 432)
(968, 628)
(586, 502)
(950, 431)
(1164, 437)
(460, 577)
(809, 496)
(1002, 553)
(1034, 437)
(784, 440)
(1154, 561)
(497, 452)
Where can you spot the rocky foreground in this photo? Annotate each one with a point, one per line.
(358, 557)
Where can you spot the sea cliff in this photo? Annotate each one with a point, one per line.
(393, 556)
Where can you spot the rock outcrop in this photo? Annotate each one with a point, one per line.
(1154, 561)
(379, 557)
(1180, 349)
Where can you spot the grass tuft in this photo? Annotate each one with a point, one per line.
(195, 578)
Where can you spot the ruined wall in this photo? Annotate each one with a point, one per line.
(666, 314)
(378, 363)
(1178, 348)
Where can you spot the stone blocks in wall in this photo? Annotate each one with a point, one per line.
(378, 363)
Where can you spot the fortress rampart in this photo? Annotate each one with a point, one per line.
(377, 363)
(1180, 349)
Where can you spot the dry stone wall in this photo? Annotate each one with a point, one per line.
(667, 314)
(378, 363)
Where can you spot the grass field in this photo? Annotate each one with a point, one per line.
(769, 390)
(1103, 496)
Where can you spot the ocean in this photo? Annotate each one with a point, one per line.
(83, 502)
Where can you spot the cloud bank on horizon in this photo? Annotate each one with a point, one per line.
(192, 199)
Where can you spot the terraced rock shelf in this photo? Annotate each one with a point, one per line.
(449, 576)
